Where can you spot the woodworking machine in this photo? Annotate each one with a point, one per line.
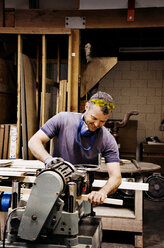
(53, 216)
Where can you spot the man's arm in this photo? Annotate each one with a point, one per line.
(111, 185)
(36, 145)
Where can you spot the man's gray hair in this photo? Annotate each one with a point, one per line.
(104, 96)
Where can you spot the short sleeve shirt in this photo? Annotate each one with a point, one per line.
(63, 128)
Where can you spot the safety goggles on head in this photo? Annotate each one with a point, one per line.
(101, 103)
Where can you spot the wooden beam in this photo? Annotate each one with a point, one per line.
(23, 111)
(94, 72)
(43, 79)
(113, 18)
(62, 96)
(37, 63)
(33, 30)
(30, 99)
(58, 80)
(69, 72)
(107, 200)
(18, 96)
(58, 62)
(2, 13)
(75, 70)
(124, 185)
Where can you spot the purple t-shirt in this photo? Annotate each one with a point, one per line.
(63, 128)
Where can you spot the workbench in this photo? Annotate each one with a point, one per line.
(124, 218)
(113, 218)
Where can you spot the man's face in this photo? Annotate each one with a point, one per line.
(94, 117)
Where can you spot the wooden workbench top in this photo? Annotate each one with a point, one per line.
(19, 167)
(131, 168)
(22, 168)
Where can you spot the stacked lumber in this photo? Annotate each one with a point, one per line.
(61, 105)
(28, 113)
(8, 134)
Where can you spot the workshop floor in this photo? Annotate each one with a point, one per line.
(153, 229)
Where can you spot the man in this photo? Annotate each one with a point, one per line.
(79, 138)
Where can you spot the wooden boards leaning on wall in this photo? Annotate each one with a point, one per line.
(8, 134)
(27, 122)
(31, 113)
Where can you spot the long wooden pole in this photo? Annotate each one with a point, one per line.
(69, 72)
(18, 96)
(43, 96)
(75, 70)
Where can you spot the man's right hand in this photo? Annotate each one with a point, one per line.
(51, 161)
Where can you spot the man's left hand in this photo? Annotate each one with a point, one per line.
(97, 197)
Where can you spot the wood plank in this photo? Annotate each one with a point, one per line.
(58, 63)
(12, 142)
(44, 47)
(12, 174)
(107, 211)
(121, 224)
(30, 98)
(23, 112)
(69, 72)
(75, 69)
(124, 185)
(94, 71)
(36, 164)
(2, 130)
(33, 30)
(3, 218)
(17, 170)
(62, 96)
(6, 141)
(18, 96)
(106, 201)
(138, 240)
(138, 202)
(115, 245)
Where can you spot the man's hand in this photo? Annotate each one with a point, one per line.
(97, 197)
(51, 161)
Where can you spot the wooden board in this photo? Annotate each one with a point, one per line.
(23, 110)
(95, 71)
(105, 211)
(106, 201)
(24, 170)
(34, 164)
(19, 54)
(62, 96)
(30, 94)
(75, 70)
(124, 185)
(11, 174)
(12, 142)
(6, 141)
(2, 129)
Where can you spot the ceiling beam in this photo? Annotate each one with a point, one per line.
(116, 18)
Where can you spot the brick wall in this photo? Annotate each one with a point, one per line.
(138, 85)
